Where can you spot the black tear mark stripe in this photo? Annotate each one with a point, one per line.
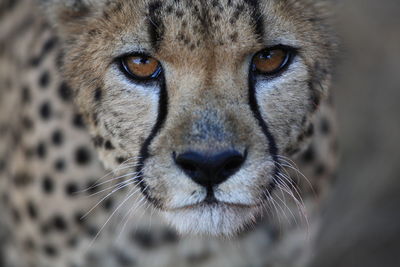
(144, 150)
(255, 108)
(272, 147)
(155, 24)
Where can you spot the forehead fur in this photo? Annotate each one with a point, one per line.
(195, 23)
(173, 30)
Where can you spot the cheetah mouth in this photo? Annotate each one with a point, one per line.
(213, 219)
(215, 204)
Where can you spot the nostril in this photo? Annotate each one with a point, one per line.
(188, 162)
(187, 166)
(232, 164)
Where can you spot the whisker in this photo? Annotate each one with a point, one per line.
(292, 165)
(104, 198)
(113, 186)
(286, 206)
(136, 206)
(108, 181)
(96, 184)
(112, 214)
(118, 168)
(291, 183)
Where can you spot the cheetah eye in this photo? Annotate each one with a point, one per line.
(140, 67)
(271, 61)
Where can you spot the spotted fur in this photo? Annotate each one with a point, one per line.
(68, 114)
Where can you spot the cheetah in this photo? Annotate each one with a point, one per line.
(164, 133)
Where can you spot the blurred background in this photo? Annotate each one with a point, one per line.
(361, 220)
(361, 223)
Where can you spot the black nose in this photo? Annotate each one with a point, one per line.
(210, 170)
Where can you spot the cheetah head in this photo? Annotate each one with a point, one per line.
(204, 96)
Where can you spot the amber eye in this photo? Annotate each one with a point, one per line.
(141, 67)
(271, 61)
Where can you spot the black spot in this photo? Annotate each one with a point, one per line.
(98, 141)
(92, 187)
(7, 6)
(50, 250)
(315, 98)
(35, 61)
(108, 204)
(47, 185)
(95, 119)
(16, 216)
(310, 130)
(45, 110)
(29, 153)
(65, 92)
(27, 123)
(197, 258)
(108, 145)
(45, 229)
(82, 156)
(179, 13)
(169, 9)
(59, 223)
(60, 60)
(29, 245)
(92, 231)
(309, 155)
(41, 150)
(44, 79)
(144, 238)
(2, 165)
(72, 242)
(94, 32)
(5, 198)
(57, 137)
(17, 135)
(71, 189)
(59, 165)
(22, 179)
(319, 170)
(32, 211)
(98, 94)
(8, 84)
(25, 95)
(49, 45)
(120, 160)
(77, 121)
(79, 218)
(234, 37)
(300, 138)
(170, 236)
(124, 260)
(324, 126)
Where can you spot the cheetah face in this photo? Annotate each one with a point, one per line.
(205, 96)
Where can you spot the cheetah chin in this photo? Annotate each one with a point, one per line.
(215, 219)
